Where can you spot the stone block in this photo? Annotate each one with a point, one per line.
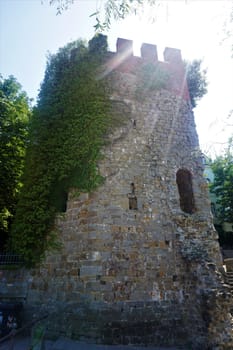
(90, 270)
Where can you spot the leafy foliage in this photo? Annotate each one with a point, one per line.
(196, 80)
(117, 10)
(62, 5)
(15, 112)
(222, 187)
(66, 135)
(112, 10)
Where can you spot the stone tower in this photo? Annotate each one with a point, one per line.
(140, 261)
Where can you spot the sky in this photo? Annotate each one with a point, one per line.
(29, 29)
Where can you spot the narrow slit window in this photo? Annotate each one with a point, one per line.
(185, 188)
(133, 204)
(63, 204)
(60, 198)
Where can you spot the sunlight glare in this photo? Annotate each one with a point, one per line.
(197, 29)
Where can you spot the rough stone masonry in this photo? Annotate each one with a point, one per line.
(140, 262)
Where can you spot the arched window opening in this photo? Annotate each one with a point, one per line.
(184, 183)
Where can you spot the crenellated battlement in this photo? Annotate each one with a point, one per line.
(124, 60)
(149, 52)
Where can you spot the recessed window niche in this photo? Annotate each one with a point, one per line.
(185, 188)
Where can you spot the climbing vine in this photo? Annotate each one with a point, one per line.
(66, 136)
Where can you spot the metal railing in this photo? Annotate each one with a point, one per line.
(9, 259)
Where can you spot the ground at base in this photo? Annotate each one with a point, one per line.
(23, 343)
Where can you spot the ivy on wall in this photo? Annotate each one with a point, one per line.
(66, 136)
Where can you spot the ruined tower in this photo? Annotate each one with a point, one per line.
(140, 261)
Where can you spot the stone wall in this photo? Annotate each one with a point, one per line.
(14, 284)
(135, 267)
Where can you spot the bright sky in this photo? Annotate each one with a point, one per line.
(29, 29)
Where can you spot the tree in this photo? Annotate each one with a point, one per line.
(222, 187)
(112, 10)
(14, 116)
(196, 80)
